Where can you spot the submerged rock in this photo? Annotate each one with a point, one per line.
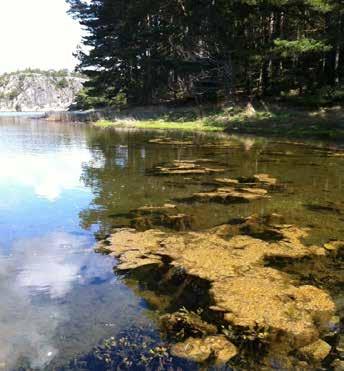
(227, 181)
(133, 249)
(340, 346)
(334, 245)
(265, 178)
(176, 142)
(316, 351)
(148, 217)
(179, 222)
(200, 350)
(136, 348)
(267, 300)
(328, 207)
(239, 190)
(184, 168)
(170, 141)
(247, 293)
(229, 195)
(197, 161)
(338, 365)
(156, 208)
(259, 178)
(262, 227)
(185, 323)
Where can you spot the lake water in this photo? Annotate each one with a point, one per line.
(63, 184)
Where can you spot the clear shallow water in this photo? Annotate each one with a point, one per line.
(62, 183)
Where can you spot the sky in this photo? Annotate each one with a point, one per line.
(37, 34)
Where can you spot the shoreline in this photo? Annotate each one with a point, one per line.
(280, 122)
(277, 122)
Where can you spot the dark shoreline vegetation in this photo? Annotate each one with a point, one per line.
(277, 121)
(280, 121)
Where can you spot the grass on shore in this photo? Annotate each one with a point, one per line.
(188, 121)
(284, 122)
(197, 125)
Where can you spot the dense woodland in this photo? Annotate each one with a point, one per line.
(148, 51)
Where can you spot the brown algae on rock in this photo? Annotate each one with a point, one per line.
(259, 178)
(241, 190)
(229, 195)
(200, 350)
(245, 292)
(175, 142)
(184, 168)
(186, 323)
(179, 222)
(334, 245)
(170, 141)
(148, 217)
(156, 208)
(258, 301)
(316, 351)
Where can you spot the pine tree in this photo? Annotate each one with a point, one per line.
(151, 51)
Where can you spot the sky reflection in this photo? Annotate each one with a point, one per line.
(49, 175)
(48, 266)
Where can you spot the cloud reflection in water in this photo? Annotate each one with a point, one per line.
(39, 273)
(49, 174)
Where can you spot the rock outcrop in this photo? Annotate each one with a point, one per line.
(38, 90)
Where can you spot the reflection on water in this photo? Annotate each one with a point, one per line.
(44, 265)
(59, 184)
(37, 282)
(55, 292)
(49, 175)
(49, 264)
(34, 159)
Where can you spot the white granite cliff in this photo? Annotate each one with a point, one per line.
(38, 91)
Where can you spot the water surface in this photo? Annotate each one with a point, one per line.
(60, 184)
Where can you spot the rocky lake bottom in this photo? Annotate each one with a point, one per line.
(128, 249)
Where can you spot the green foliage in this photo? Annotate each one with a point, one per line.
(85, 100)
(154, 51)
(324, 96)
(55, 74)
(323, 6)
(13, 94)
(286, 48)
(62, 83)
(210, 121)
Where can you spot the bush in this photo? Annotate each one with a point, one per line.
(62, 83)
(13, 94)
